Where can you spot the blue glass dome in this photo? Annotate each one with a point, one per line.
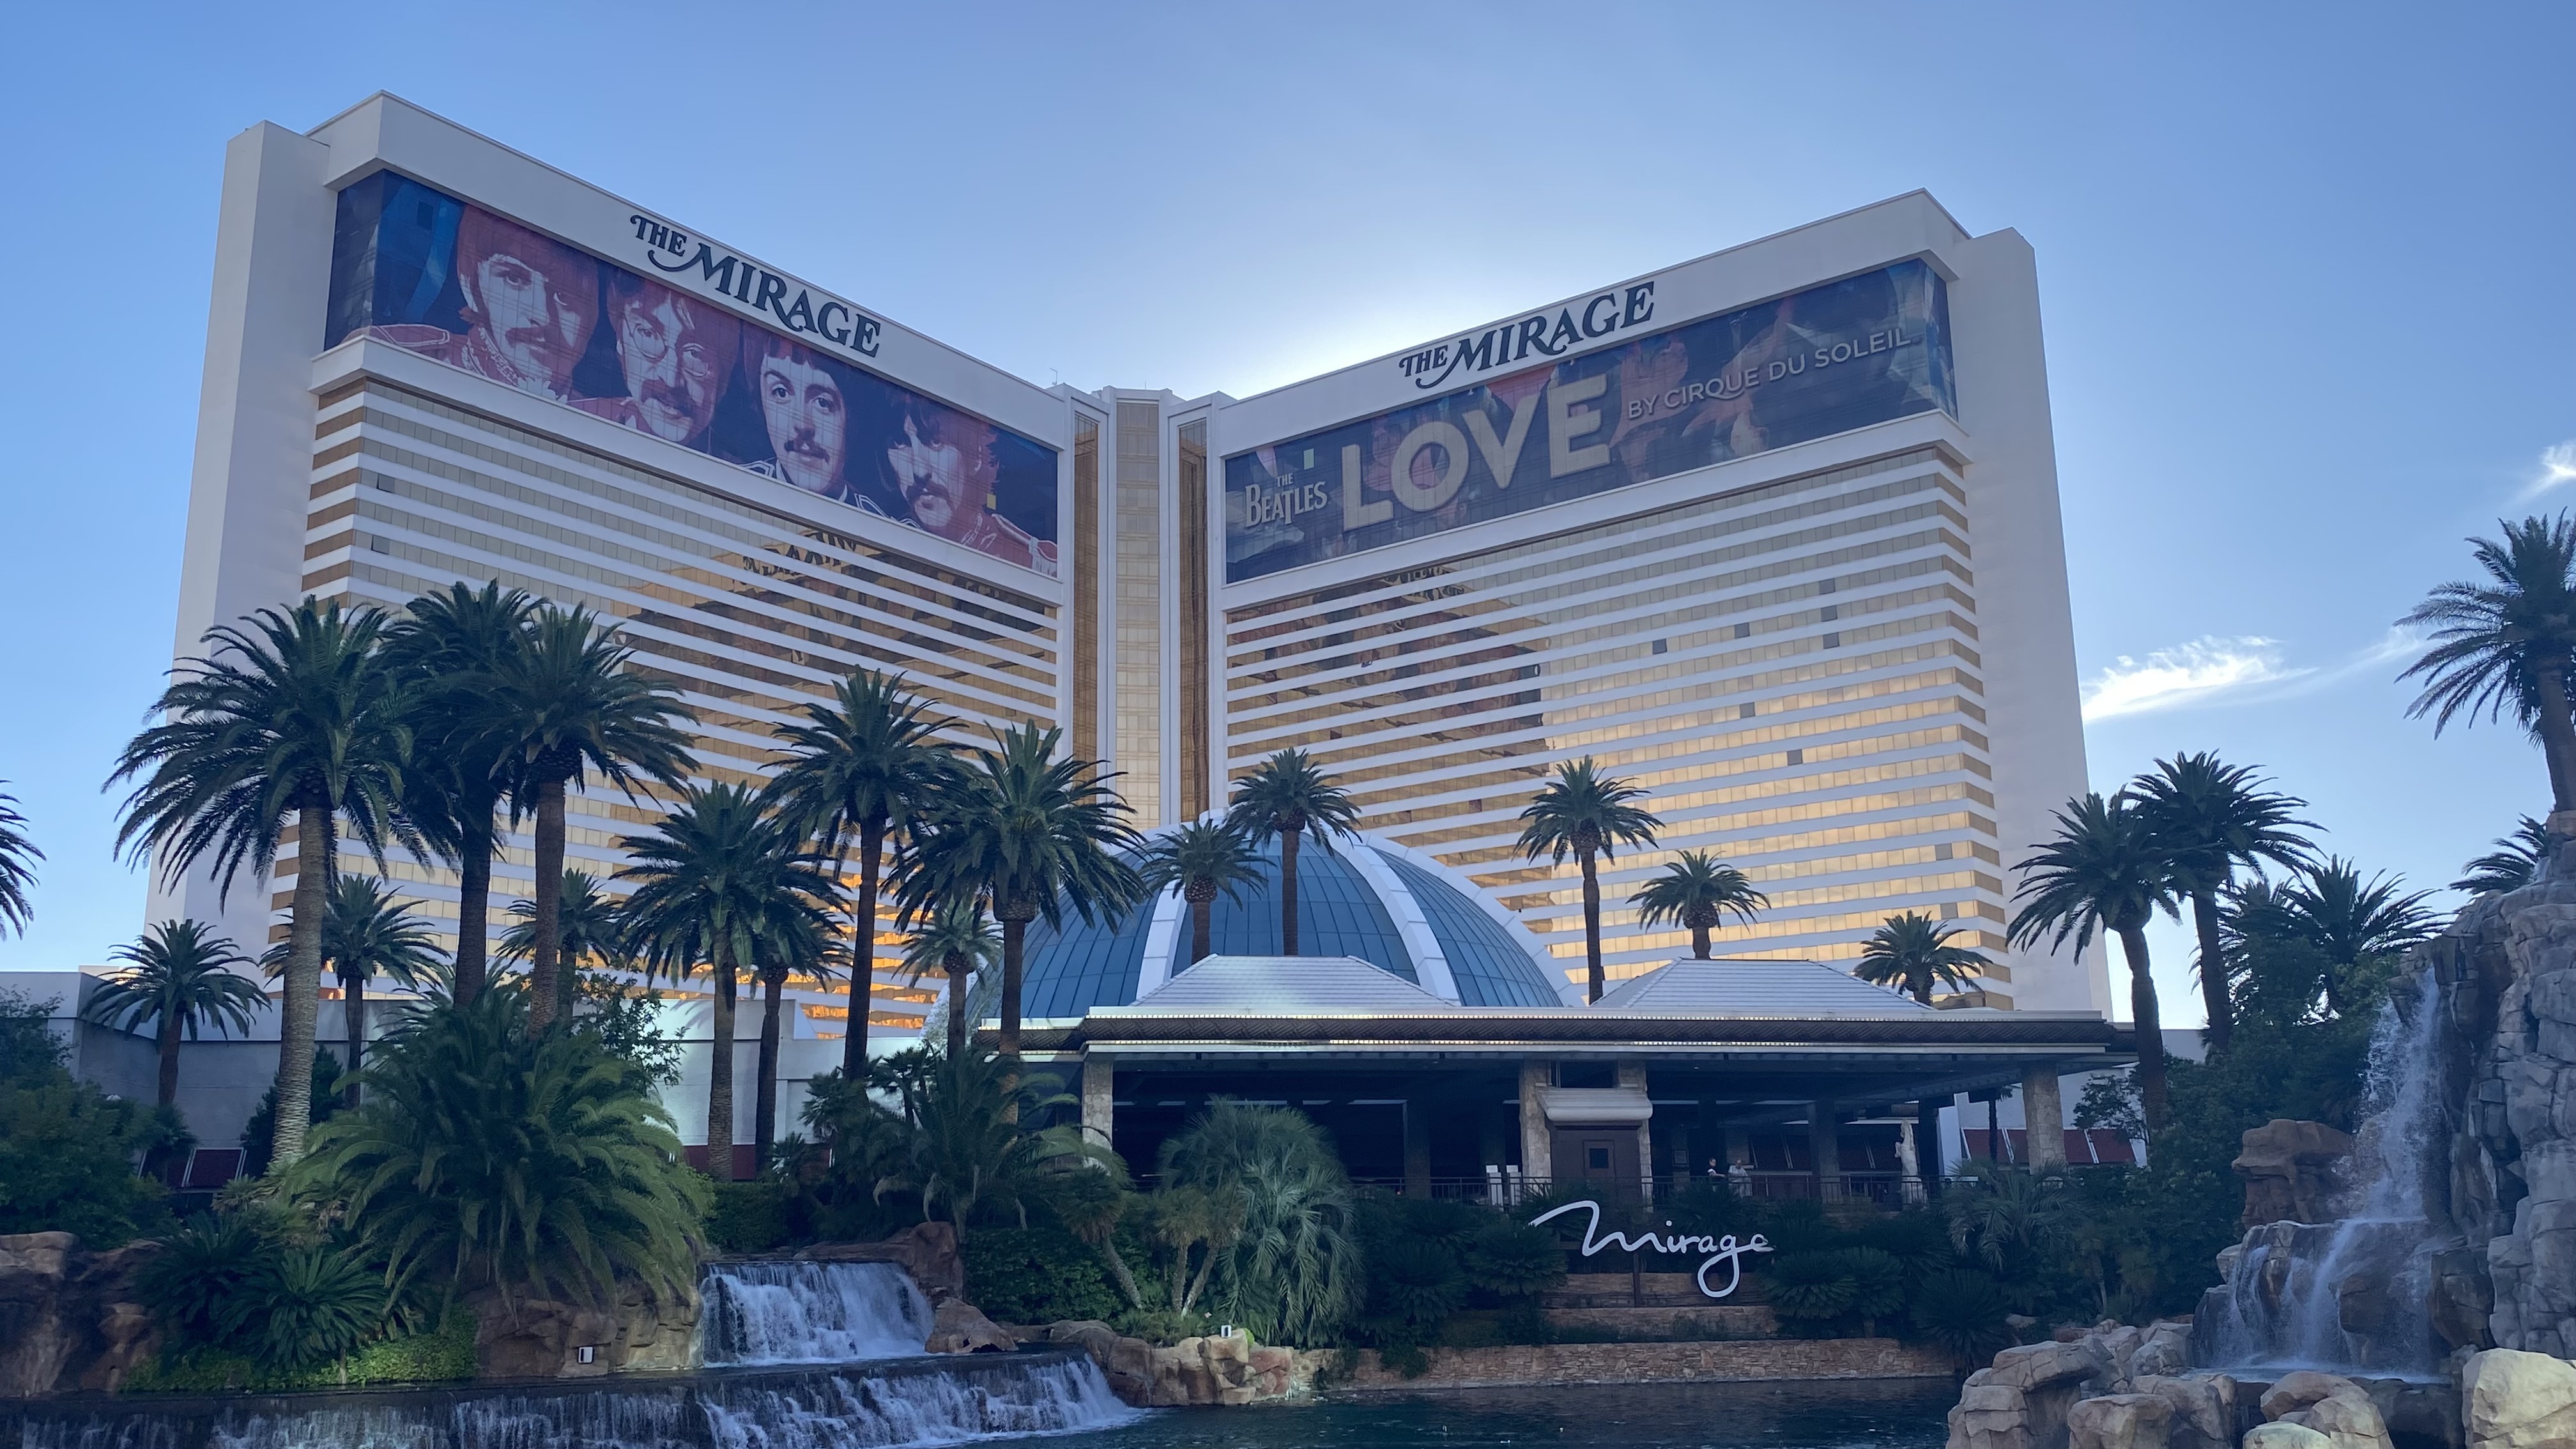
(1400, 911)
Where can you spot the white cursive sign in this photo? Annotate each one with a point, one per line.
(1720, 1250)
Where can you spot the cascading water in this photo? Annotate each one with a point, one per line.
(800, 1312)
(2351, 1294)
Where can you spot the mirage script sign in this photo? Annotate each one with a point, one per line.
(1720, 1250)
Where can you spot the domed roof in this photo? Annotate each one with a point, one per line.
(1371, 899)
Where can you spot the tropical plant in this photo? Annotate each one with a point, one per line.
(2506, 640)
(1962, 1311)
(1277, 1217)
(2208, 818)
(1911, 952)
(1697, 891)
(17, 869)
(2001, 1217)
(798, 942)
(1029, 834)
(1588, 815)
(570, 701)
(494, 1158)
(180, 978)
(448, 646)
(302, 1306)
(867, 765)
(591, 934)
(192, 1276)
(2354, 923)
(2103, 869)
(66, 1149)
(368, 933)
(968, 1154)
(1291, 797)
(1205, 859)
(721, 884)
(2511, 865)
(1814, 1284)
(294, 717)
(956, 940)
(326, 1088)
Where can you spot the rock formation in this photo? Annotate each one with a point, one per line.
(2515, 1400)
(66, 1319)
(2289, 1170)
(1195, 1372)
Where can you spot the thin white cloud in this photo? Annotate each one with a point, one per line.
(2184, 675)
(2557, 466)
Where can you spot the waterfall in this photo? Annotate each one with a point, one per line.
(801, 1312)
(2351, 1294)
(921, 1401)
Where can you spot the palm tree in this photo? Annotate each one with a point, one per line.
(867, 764)
(366, 933)
(1290, 796)
(571, 701)
(2104, 869)
(1587, 815)
(1912, 952)
(2209, 818)
(797, 940)
(1698, 891)
(17, 874)
(1027, 834)
(2351, 921)
(181, 978)
(956, 940)
(720, 883)
(448, 646)
(293, 718)
(592, 933)
(2511, 865)
(1205, 858)
(2507, 640)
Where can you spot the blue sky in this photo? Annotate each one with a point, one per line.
(2305, 271)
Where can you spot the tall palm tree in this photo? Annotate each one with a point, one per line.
(866, 765)
(180, 976)
(2351, 921)
(797, 939)
(1698, 891)
(1290, 796)
(448, 646)
(2511, 865)
(17, 872)
(592, 933)
(720, 884)
(368, 932)
(2103, 868)
(2505, 640)
(956, 939)
(2208, 818)
(569, 702)
(1206, 859)
(1588, 815)
(294, 717)
(1912, 952)
(1028, 834)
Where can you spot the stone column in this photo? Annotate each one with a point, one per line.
(1537, 1158)
(1099, 1096)
(1633, 1077)
(1825, 1146)
(1417, 1147)
(2043, 1116)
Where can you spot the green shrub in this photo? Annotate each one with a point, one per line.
(1962, 1311)
(442, 1354)
(1812, 1286)
(304, 1306)
(190, 1284)
(1037, 1274)
(67, 1150)
(747, 1217)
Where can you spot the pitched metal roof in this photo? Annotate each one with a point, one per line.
(1755, 988)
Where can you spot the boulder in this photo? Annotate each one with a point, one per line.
(540, 1338)
(2515, 1400)
(2347, 1417)
(656, 1334)
(67, 1320)
(2460, 1297)
(1128, 1363)
(1989, 1416)
(2295, 1391)
(2163, 1351)
(2289, 1170)
(957, 1326)
(2285, 1436)
(2047, 1365)
(2119, 1421)
(2204, 1408)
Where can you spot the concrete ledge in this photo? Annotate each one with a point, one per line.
(1630, 1363)
(1710, 1321)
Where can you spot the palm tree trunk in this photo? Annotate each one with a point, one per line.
(168, 1089)
(863, 952)
(1200, 911)
(546, 960)
(720, 1068)
(764, 1115)
(1699, 943)
(303, 995)
(957, 981)
(353, 1016)
(1015, 934)
(1919, 981)
(2150, 1026)
(2557, 737)
(1288, 891)
(1592, 925)
(2213, 969)
(473, 910)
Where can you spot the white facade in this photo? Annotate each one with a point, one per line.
(1935, 742)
